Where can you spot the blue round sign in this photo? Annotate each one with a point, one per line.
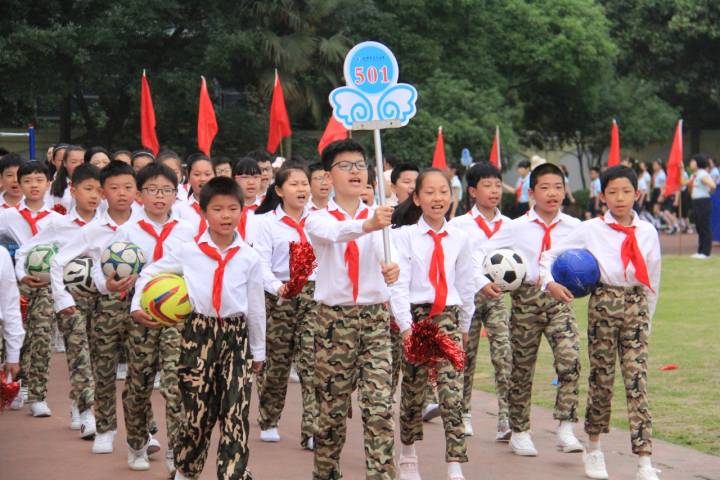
(371, 68)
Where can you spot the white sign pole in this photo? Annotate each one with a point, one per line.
(380, 169)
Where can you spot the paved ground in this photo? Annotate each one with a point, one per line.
(682, 244)
(32, 448)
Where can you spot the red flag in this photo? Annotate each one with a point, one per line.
(614, 156)
(495, 151)
(148, 137)
(207, 124)
(333, 131)
(673, 181)
(439, 155)
(279, 121)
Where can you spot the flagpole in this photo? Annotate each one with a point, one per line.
(379, 166)
(497, 135)
(682, 164)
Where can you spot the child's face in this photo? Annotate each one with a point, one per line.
(124, 157)
(693, 166)
(10, 183)
(593, 174)
(120, 191)
(548, 193)
(250, 185)
(266, 174)
(619, 195)
(157, 196)
(368, 195)
(99, 160)
(295, 191)
(522, 171)
(223, 214)
(201, 172)
(405, 185)
(58, 157)
(34, 186)
(141, 161)
(320, 184)
(487, 193)
(174, 165)
(74, 159)
(347, 178)
(87, 195)
(223, 170)
(433, 197)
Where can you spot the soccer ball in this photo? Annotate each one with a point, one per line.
(38, 260)
(165, 299)
(78, 277)
(577, 270)
(122, 259)
(504, 268)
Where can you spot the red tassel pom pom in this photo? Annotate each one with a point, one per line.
(302, 265)
(23, 307)
(8, 391)
(427, 346)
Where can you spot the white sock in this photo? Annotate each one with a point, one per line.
(644, 461)
(454, 469)
(407, 450)
(593, 446)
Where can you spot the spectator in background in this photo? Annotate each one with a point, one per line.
(521, 190)
(391, 161)
(702, 187)
(593, 206)
(569, 199)
(714, 171)
(456, 189)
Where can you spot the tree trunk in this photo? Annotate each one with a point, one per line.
(578, 145)
(695, 134)
(65, 119)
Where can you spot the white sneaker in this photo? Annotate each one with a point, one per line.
(270, 435)
(104, 442)
(74, 416)
(19, 400)
(310, 445)
(467, 422)
(431, 410)
(521, 444)
(567, 442)
(294, 377)
(138, 459)
(408, 468)
(699, 256)
(180, 476)
(503, 431)
(170, 461)
(156, 384)
(153, 446)
(121, 373)
(595, 465)
(647, 473)
(40, 409)
(87, 425)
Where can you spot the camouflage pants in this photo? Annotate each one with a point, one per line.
(618, 325)
(215, 387)
(108, 335)
(397, 356)
(353, 344)
(36, 357)
(147, 348)
(449, 390)
(289, 335)
(494, 316)
(77, 352)
(534, 314)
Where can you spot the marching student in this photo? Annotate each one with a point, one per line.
(22, 223)
(223, 166)
(620, 313)
(140, 158)
(97, 156)
(437, 282)
(248, 176)
(402, 182)
(225, 334)
(157, 231)
(291, 322)
(320, 187)
(535, 313)
(11, 193)
(59, 197)
(352, 337)
(200, 171)
(110, 319)
(481, 223)
(11, 325)
(264, 163)
(85, 191)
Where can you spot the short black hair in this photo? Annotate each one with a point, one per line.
(246, 166)
(121, 152)
(315, 167)
(480, 171)
(86, 171)
(217, 161)
(393, 160)
(90, 152)
(371, 176)
(618, 171)
(399, 169)
(595, 169)
(336, 148)
(701, 160)
(194, 158)
(545, 169)
(259, 156)
(220, 186)
(10, 160)
(154, 170)
(33, 166)
(115, 168)
(523, 164)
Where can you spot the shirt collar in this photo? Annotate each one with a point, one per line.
(74, 215)
(206, 238)
(608, 218)
(424, 226)
(476, 213)
(334, 206)
(532, 215)
(144, 216)
(22, 205)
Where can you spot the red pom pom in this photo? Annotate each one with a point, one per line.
(8, 391)
(23, 307)
(302, 265)
(428, 346)
(60, 209)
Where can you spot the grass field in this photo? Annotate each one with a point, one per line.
(685, 403)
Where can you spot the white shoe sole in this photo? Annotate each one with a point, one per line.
(139, 468)
(503, 437)
(270, 440)
(523, 453)
(102, 450)
(576, 448)
(75, 426)
(596, 476)
(41, 414)
(432, 414)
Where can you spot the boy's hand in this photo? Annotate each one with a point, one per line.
(33, 282)
(144, 319)
(560, 293)
(390, 271)
(491, 291)
(121, 285)
(257, 367)
(67, 311)
(380, 219)
(12, 369)
(406, 334)
(281, 291)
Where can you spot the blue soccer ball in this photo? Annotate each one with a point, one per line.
(577, 270)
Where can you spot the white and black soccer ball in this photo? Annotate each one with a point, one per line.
(504, 268)
(122, 259)
(77, 276)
